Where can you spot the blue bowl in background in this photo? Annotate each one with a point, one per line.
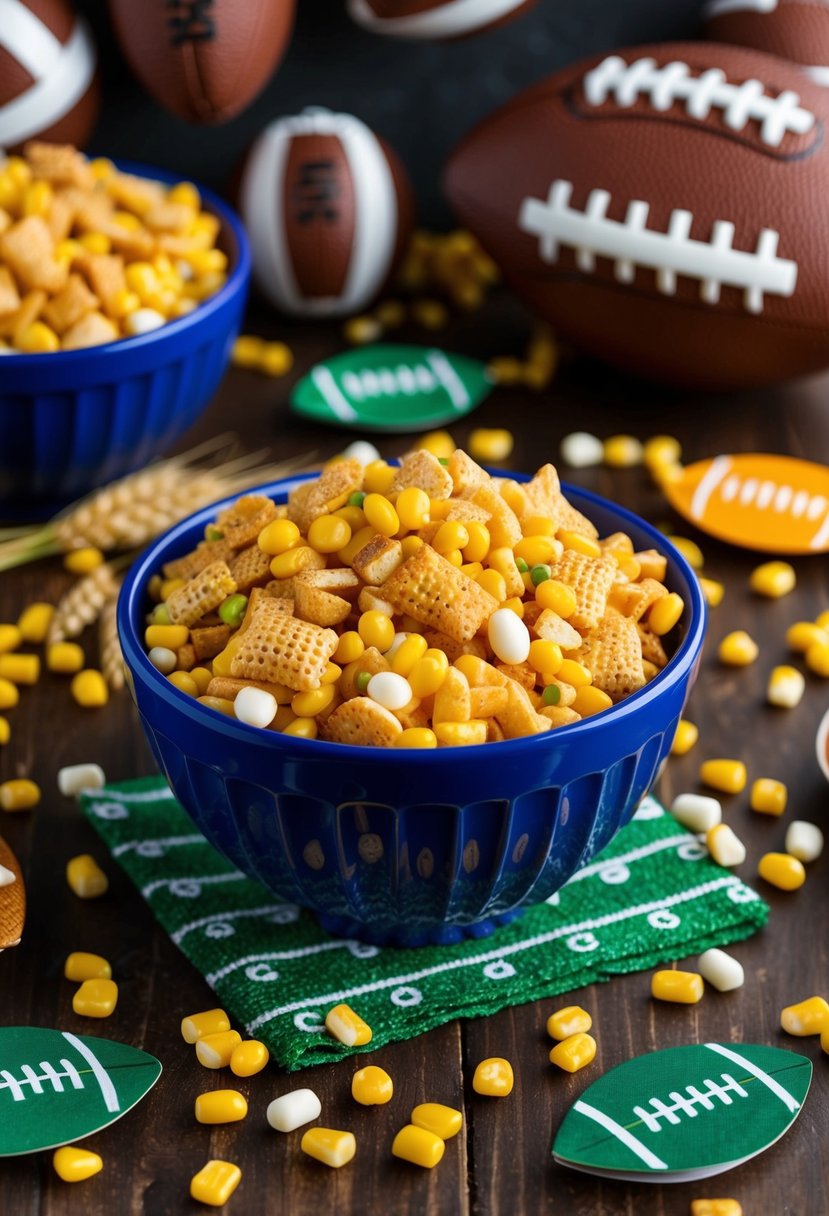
(73, 420)
(409, 847)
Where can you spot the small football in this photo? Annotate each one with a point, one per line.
(48, 85)
(794, 29)
(203, 61)
(660, 207)
(328, 210)
(434, 19)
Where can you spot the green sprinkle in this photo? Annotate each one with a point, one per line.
(160, 615)
(233, 609)
(211, 533)
(444, 460)
(521, 565)
(362, 680)
(540, 574)
(356, 499)
(551, 694)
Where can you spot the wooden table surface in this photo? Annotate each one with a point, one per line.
(501, 1164)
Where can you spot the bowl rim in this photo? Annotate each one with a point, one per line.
(822, 745)
(135, 657)
(237, 278)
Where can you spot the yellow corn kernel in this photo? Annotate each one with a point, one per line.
(359, 331)
(786, 687)
(685, 738)
(37, 199)
(184, 682)
(628, 565)
(729, 776)
(494, 583)
(186, 194)
(539, 525)
(439, 443)
(570, 1020)
(9, 696)
(381, 515)
(34, 622)
(278, 536)
(215, 1182)
(408, 653)
(579, 543)
(331, 674)
(73, 1164)
(331, 1147)
(221, 1106)
(574, 1052)
(247, 351)
(438, 508)
(353, 516)
(808, 1017)
(85, 876)
(215, 1050)
(713, 591)
(440, 1120)
(349, 647)
(571, 672)
(329, 534)
(410, 545)
(20, 668)
(715, 1207)
(773, 579)
(661, 450)
(545, 656)
(416, 736)
(413, 508)
(472, 569)
(622, 451)
(782, 871)
(38, 339)
(768, 796)
(124, 302)
(19, 794)
(450, 535)
(427, 676)
(301, 728)
(376, 629)
(478, 542)
(95, 998)
(64, 657)
(461, 734)
(347, 1027)
(378, 477)
(168, 587)
(286, 565)
(690, 550)
(89, 689)
(419, 1146)
(80, 966)
(803, 634)
(536, 550)
(201, 677)
(665, 613)
(196, 1025)
(5, 731)
(223, 660)
(95, 242)
(557, 596)
(591, 701)
(10, 638)
(220, 704)
(372, 1086)
(737, 649)
(822, 621)
(309, 704)
(505, 370)
(171, 636)
(681, 987)
(494, 443)
(817, 659)
(493, 1078)
(515, 605)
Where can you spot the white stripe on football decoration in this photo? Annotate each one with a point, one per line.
(338, 404)
(621, 1134)
(449, 378)
(60, 79)
(716, 8)
(755, 1070)
(99, 1072)
(450, 20)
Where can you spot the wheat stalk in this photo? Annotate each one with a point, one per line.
(83, 603)
(112, 663)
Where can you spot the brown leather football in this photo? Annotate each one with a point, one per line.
(204, 60)
(48, 85)
(794, 29)
(328, 210)
(434, 19)
(664, 208)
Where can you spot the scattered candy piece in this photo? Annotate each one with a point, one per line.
(74, 1164)
(725, 846)
(419, 1146)
(574, 1052)
(803, 634)
(9, 695)
(622, 452)
(83, 561)
(713, 591)
(85, 877)
(785, 687)
(372, 1086)
(348, 1027)
(581, 450)
(65, 658)
(291, 1110)
(215, 1050)
(96, 998)
(804, 840)
(681, 987)
(249, 1058)
(19, 794)
(729, 776)
(696, 812)
(34, 622)
(197, 1025)
(768, 796)
(20, 668)
(10, 638)
(89, 688)
(255, 706)
(685, 738)
(721, 970)
(782, 871)
(331, 1147)
(221, 1106)
(715, 1207)
(80, 966)
(215, 1182)
(660, 451)
(361, 450)
(690, 550)
(490, 444)
(817, 659)
(493, 1078)
(568, 1021)
(75, 778)
(773, 579)
(737, 649)
(7, 877)
(440, 1120)
(808, 1017)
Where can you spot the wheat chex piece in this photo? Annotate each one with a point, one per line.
(14, 324)
(105, 275)
(625, 597)
(504, 528)
(412, 714)
(559, 715)
(250, 568)
(280, 589)
(228, 688)
(201, 594)
(553, 628)
(93, 329)
(28, 249)
(378, 559)
(313, 603)
(464, 511)
(362, 723)
(465, 473)
(330, 491)
(371, 661)
(270, 606)
(423, 470)
(452, 648)
(571, 519)
(205, 553)
(653, 650)
(210, 641)
(132, 242)
(70, 305)
(651, 592)
(613, 654)
(488, 700)
(60, 164)
(434, 592)
(520, 718)
(591, 578)
(9, 295)
(453, 702)
(243, 520)
(522, 673)
(280, 649)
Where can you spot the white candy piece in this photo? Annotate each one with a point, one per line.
(163, 659)
(696, 812)
(255, 707)
(581, 450)
(143, 321)
(363, 451)
(7, 877)
(289, 1112)
(720, 970)
(725, 846)
(787, 690)
(396, 643)
(508, 636)
(390, 690)
(76, 778)
(804, 840)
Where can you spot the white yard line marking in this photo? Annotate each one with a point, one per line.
(265, 910)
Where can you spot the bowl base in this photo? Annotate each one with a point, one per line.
(413, 935)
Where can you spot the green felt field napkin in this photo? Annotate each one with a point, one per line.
(652, 896)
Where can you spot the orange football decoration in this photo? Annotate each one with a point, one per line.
(12, 899)
(777, 504)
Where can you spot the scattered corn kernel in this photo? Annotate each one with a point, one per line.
(249, 1058)
(570, 1020)
(439, 443)
(96, 998)
(696, 812)
(347, 1027)
(622, 451)
(665, 613)
(10, 638)
(34, 622)
(80, 966)
(591, 701)
(89, 688)
(19, 794)
(808, 1017)
(681, 987)
(786, 687)
(713, 591)
(737, 649)
(715, 1207)
(685, 738)
(215, 1182)
(277, 359)
(721, 970)
(573, 673)
(419, 1146)
(440, 1120)
(73, 1164)
(491, 444)
(773, 579)
(804, 840)
(85, 877)
(782, 871)
(290, 1111)
(279, 536)
(196, 1025)
(803, 634)
(221, 1106)
(359, 331)
(725, 846)
(817, 659)
(9, 695)
(5, 731)
(65, 658)
(173, 637)
(690, 550)
(493, 1078)
(372, 1086)
(331, 1147)
(215, 1050)
(20, 668)
(83, 561)
(574, 1052)
(661, 450)
(729, 776)
(376, 629)
(768, 796)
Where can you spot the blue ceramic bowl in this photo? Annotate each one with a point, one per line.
(73, 420)
(411, 846)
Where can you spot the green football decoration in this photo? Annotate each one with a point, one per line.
(684, 1113)
(56, 1087)
(392, 388)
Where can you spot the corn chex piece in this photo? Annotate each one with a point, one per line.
(347, 1026)
(316, 595)
(422, 469)
(363, 723)
(466, 473)
(463, 511)
(201, 594)
(280, 649)
(70, 304)
(503, 526)
(520, 716)
(205, 554)
(553, 628)
(93, 329)
(612, 652)
(250, 567)
(378, 559)
(435, 593)
(28, 250)
(653, 650)
(591, 578)
(243, 520)
(209, 640)
(331, 1147)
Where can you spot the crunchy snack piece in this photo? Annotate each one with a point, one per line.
(422, 469)
(315, 602)
(481, 674)
(9, 295)
(70, 304)
(559, 715)
(138, 194)
(314, 498)
(452, 648)
(60, 164)
(186, 657)
(566, 693)
(14, 324)
(29, 250)
(651, 592)
(210, 641)
(464, 511)
(553, 628)
(520, 718)
(453, 702)
(227, 688)
(378, 559)
(105, 273)
(250, 567)
(93, 329)
(591, 578)
(465, 473)
(371, 661)
(545, 498)
(522, 673)
(241, 523)
(205, 553)
(503, 524)
(613, 653)
(434, 592)
(280, 649)
(617, 542)
(271, 606)
(169, 217)
(653, 650)
(487, 701)
(371, 599)
(570, 518)
(363, 723)
(201, 594)
(280, 589)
